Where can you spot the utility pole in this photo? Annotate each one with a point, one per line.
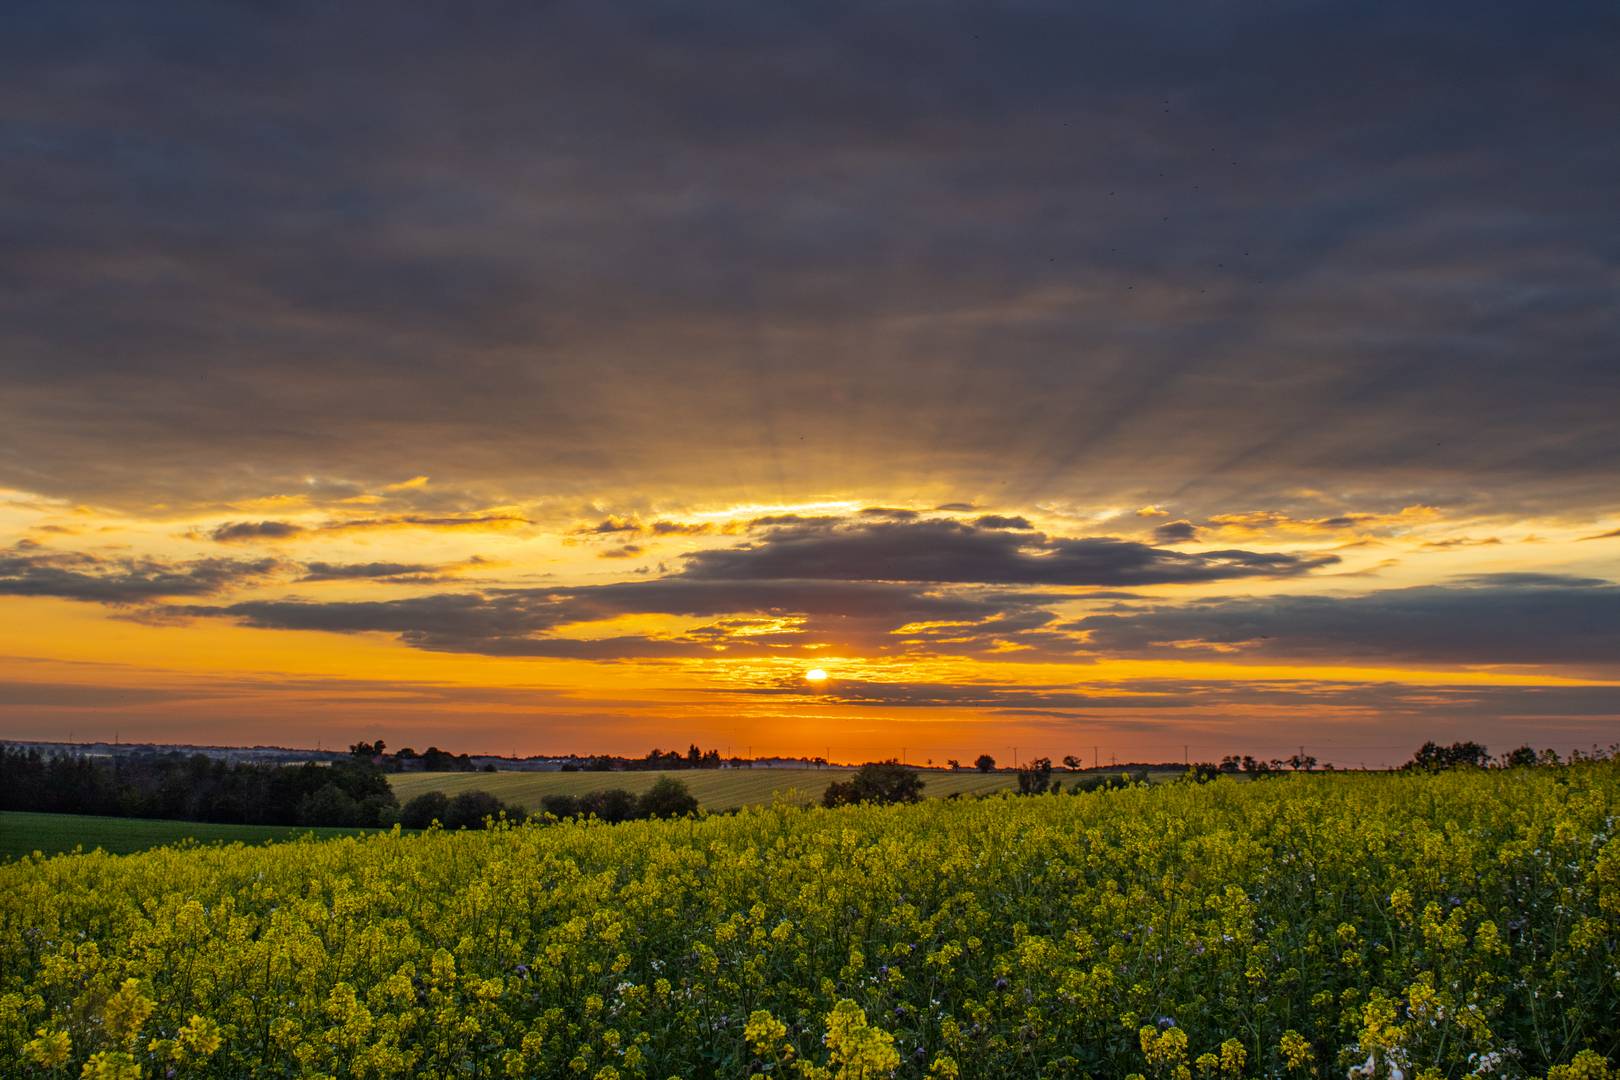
(1093, 757)
(1186, 758)
(1015, 757)
(902, 755)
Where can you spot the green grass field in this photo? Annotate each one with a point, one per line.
(714, 789)
(51, 834)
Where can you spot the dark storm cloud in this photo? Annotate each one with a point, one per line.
(326, 571)
(1502, 619)
(1183, 696)
(122, 582)
(998, 521)
(255, 530)
(1081, 251)
(234, 531)
(951, 551)
(524, 622)
(1175, 532)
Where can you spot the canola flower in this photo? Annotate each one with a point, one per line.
(1463, 924)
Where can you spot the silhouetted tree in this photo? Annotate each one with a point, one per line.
(1432, 757)
(667, 798)
(560, 805)
(876, 782)
(984, 763)
(1519, 758)
(1036, 777)
(610, 804)
(328, 805)
(469, 809)
(1071, 763)
(424, 810)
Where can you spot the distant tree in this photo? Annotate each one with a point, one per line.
(1432, 757)
(984, 763)
(377, 812)
(328, 805)
(1231, 763)
(1202, 772)
(1036, 777)
(367, 750)
(424, 810)
(1108, 781)
(669, 797)
(469, 809)
(1071, 763)
(953, 764)
(1520, 758)
(609, 804)
(436, 760)
(876, 782)
(560, 805)
(1298, 762)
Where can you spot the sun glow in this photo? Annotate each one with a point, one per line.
(815, 675)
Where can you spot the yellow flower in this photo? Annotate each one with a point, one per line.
(199, 1038)
(1233, 1058)
(126, 1011)
(1588, 1065)
(860, 1051)
(1296, 1050)
(111, 1065)
(764, 1032)
(48, 1049)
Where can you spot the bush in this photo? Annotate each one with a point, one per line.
(876, 782)
(424, 810)
(560, 805)
(329, 805)
(610, 804)
(669, 797)
(469, 809)
(1109, 781)
(377, 812)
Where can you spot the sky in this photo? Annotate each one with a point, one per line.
(1138, 382)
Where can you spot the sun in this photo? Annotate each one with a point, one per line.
(815, 675)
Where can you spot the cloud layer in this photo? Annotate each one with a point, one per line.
(1055, 251)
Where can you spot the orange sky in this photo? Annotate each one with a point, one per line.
(179, 666)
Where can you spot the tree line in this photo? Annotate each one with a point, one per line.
(667, 798)
(194, 787)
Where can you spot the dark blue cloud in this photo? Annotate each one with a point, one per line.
(1036, 251)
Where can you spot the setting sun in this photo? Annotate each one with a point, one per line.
(815, 675)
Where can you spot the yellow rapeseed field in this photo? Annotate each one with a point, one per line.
(1460, 924)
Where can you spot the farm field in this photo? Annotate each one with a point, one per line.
(714, 789)
(1449, 925)
(22, 833)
